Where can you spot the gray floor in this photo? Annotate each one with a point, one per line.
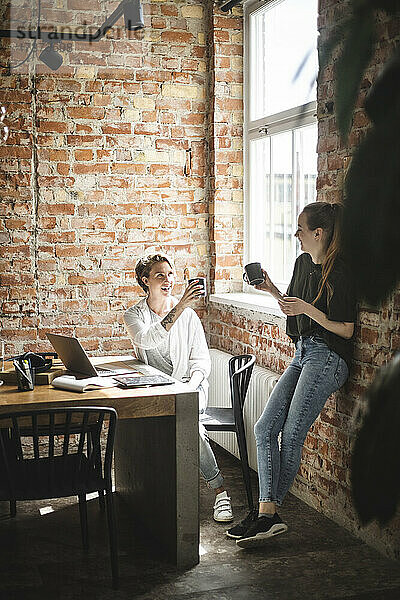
(41, 558)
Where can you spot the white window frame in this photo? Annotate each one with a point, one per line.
(257, 129)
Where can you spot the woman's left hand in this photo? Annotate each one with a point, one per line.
(292, 306)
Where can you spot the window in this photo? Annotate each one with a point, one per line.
(280, 128)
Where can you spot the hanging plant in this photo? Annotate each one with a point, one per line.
(371, 195)
(376, 459)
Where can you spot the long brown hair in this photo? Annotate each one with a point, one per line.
(329, 218)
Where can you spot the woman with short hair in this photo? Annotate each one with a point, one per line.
(168, 335)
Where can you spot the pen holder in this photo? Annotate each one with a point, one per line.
(25, 374)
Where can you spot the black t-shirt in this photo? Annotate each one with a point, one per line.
(342, 306)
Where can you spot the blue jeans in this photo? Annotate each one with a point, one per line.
(208, 465)
(296, 401)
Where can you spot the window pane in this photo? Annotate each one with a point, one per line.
(259, 183)
(282, 179)
(281, 203)
(305, 144)
(281, 36)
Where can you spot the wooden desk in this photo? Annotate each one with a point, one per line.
(156, 455)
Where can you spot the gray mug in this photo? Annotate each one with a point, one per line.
(201, 281)
(253, 273)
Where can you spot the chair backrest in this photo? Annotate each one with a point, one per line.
(53, 436)
(240, 370)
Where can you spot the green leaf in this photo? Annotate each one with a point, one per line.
(384, 95)
(376, 459)
(326, 48)
(355, 56)
(389, 6)
(371, 239)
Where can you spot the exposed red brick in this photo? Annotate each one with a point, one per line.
(83, 140)
(83, 155)
(180, 37)
(153, 76)
(148, 129)
(85, 112)
(52, 126)
(369, 336)
(118, 128)
(131, 168)
(91, 168)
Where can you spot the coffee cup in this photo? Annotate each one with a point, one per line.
(253, 273)
(201, 281)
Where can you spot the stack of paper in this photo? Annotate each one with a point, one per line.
(69, 382)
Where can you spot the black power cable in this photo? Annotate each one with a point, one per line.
(228, 5)
(10, 66)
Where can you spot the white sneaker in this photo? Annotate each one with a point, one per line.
(223, 508)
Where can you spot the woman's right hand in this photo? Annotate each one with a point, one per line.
(268, 286)
(193, 291)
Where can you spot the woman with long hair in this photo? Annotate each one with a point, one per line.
(320, 309)
(168, 335)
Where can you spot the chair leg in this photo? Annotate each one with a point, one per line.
(102, 503)
(94, 445)
(84, 521)
(244, 461)
(13, 508)
(112, 534)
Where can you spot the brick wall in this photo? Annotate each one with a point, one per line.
(93, 172)
(226, 150)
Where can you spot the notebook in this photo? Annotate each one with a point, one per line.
(130, 381)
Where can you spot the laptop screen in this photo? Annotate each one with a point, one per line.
(72, 354)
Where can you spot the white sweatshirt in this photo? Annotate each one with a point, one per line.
(188, 346)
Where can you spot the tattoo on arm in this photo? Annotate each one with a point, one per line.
(169, 318)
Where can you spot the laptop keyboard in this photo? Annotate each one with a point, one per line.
(101, 372)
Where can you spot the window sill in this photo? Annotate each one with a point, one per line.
(266, 306)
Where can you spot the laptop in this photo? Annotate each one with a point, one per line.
(76, 360)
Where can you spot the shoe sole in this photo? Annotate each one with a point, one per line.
(234, 537)
(223, 520)
(261, 538)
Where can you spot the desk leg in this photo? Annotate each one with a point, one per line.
(157, 474)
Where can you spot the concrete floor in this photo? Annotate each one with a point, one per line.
(41, 558)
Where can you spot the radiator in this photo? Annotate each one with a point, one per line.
(261, 383)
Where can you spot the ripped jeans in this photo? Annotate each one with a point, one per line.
(295, 403)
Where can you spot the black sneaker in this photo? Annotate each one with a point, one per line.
(261, 530)
(237, 531)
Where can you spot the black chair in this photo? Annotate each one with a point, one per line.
(231, 419)
(92, 439)
(55, 453)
